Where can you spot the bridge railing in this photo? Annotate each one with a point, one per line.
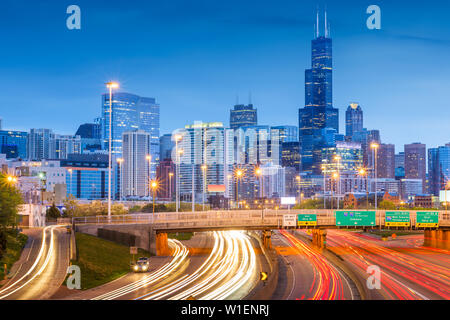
(231, 218)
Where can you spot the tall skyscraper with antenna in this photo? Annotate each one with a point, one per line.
(318, 112)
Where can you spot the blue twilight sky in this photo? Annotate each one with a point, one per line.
(195, 57)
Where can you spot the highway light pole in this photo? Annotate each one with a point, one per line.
(238, 175)
(177, 138)
(338, 159)
(362, 172)
(119, 161)
(149, 159)
(374, 147)
(110, 86)
(204, 168)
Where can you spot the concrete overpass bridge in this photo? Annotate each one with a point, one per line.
(155, 227)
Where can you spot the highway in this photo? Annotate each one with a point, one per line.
(408, 271)
(228, 270)
(42, 266)
(308, 274)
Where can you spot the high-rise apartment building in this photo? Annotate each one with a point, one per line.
(415, 162)
(38, 146)
(135, 166)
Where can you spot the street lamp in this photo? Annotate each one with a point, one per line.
(119, 161)
(298, 178)
(177, 138)
(335, 176)
(362, 172)
(204, 168)
(148, 158)
(154, 186)
(11, 179)
(170, 185)
(110, 85)
(338, 159)
(324, 184)
(70, 187)
(238, 173)
(374, 147)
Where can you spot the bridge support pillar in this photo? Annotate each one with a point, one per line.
(162, 245)
(319, 238)
(266, 234)
(437, 239)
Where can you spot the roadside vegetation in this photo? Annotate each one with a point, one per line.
(102, 261)
(15, 242)
(11, 241)
(180, 235)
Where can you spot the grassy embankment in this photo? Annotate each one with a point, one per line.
(13, 250)
(102, 261)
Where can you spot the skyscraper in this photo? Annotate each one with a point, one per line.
(318, 112)
(166, 146)
(243, 115)
(129, 113)
(438, 168)
(415, 162)
(386, 161)
(136, 170)
(353, 120)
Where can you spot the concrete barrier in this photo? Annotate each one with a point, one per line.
(264, 290)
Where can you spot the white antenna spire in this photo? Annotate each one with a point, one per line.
(317, 24)
(326, 25)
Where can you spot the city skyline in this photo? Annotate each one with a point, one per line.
(277, 87)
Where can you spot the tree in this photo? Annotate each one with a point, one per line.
(387, 205)
(72, 208)
(10, 199)
(53, 213)
(3, 243)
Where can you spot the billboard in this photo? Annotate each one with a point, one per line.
(287, 200)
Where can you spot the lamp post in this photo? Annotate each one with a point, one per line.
(335, 177)
(170, 185)
(110, 86)
(119, 161)
(324, 184)
(204, 168)
(258, 173)
(229, 177)
(239, 173)
(297, 178)
(154, 186)
(148, 158)
(362, 172)
(177, 138)
(374, 147)
(338, 159)
(70, 186)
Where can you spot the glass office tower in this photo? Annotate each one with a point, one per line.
(318, 112)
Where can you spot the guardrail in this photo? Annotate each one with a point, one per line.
(230, 218)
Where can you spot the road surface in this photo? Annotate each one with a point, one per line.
(42, 266)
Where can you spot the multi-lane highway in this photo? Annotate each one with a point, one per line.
(42, 266)
(308, 274)
(229, 271)
(408, 271)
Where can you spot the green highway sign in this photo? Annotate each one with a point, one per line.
(427, 219)
(397, 219)
(306, 220)
(355, 218)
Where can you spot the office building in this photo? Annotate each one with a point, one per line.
(318, 112)
(438, 168)
(91, 137)
(129, 113)
(410, 187)
(63, 145)
(242, 116)
(86, 176)
(166, 145)
(13, 144)
(165, 175)
(386, 161)
(415, 162)
(353, 120)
